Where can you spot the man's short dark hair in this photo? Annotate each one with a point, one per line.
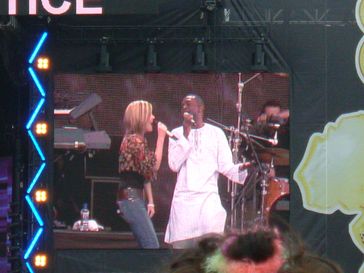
(270, 103)
(198, 99)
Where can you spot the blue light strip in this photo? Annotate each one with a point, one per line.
(30, 269)
(35, 236)
(37, 82)
(36, 145)
(35, 113)
(36, 177)
(34, 210)
(32, 244)
(37, 48)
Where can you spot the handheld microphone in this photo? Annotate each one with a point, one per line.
(168, 133)
(171, 135)
(189, 117)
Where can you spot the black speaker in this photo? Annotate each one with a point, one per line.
(103, 163)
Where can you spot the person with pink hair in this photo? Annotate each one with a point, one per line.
(258, 251)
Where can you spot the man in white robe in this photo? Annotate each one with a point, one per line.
(198, 154)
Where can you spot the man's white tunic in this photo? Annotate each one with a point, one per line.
(196, 206)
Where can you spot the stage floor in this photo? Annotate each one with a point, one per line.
(70, 239)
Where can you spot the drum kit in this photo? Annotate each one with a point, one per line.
(251, 205)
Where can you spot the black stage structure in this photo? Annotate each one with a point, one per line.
(317, 43)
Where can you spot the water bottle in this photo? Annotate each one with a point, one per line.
(85, 214)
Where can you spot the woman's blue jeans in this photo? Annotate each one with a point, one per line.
(135, 214)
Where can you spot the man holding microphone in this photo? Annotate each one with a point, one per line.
(198, 153)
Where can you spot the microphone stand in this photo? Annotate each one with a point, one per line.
(235, 138)
(234, 141)
(235, 150)
(232, 187)
(259, 174)
(232, 130)
(263, 175)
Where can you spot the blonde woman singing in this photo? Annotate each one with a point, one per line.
(138, 166)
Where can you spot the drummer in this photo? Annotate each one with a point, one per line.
(272, 119)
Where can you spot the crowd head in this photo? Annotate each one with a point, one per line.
(264, 250)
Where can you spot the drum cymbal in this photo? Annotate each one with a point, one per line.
(280, 156)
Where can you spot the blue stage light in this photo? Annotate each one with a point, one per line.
(36, 81)
(34, 237)
(35, 113)
(34, 210)
(38, 46)
(30, 269)
(36, 145)
(36, 177)
(32, 244)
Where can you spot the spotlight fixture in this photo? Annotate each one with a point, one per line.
(209, 5)
(43, 63)
(40, 260)
(4, 20)
(259, 56)
(199, 58)
(41, 128)
(104, 63)
(151, 57)
(41, 196)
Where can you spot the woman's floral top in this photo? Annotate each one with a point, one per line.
(135, 156)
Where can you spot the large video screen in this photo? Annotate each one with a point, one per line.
(88, 126)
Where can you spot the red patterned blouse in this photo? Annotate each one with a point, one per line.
(135, 156)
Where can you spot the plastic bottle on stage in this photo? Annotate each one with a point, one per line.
(85, 214)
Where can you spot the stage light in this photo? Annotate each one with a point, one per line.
(259, 56)
(30, 269)
(34, 232)
(4, 20)
(40, 260)
(35, 211)
(43, 63)
(151, 58)
(209, 5)
(36, 177)
(35, 113)
(37, 82)
(41, 128)
(36, 145)
(37, 47)
(104, 63)
(41, 196)
(33, 243)
(199, 56)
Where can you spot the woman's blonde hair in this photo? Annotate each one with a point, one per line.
(136, 116)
